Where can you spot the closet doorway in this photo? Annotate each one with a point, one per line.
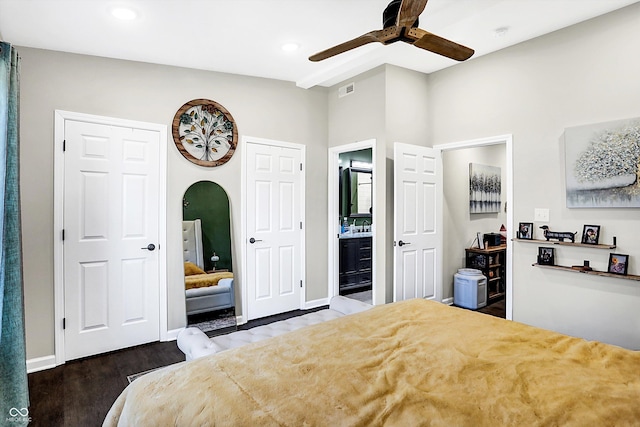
(462, 153)
(109, 187)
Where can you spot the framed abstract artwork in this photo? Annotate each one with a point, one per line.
(602, 165)
(485, 187)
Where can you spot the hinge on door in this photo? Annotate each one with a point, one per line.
(63, 234)
(300, 166)
(300, 283)
(64, 145)
(64, 323)
(300, 225)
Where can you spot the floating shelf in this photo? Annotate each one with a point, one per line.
(554, 242)
(592, 272)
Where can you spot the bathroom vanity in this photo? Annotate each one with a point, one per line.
(355, 261)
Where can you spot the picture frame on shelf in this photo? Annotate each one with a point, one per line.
(525, 231)
(480, 241)
(546, 256)
(590, 234)
(618, 264)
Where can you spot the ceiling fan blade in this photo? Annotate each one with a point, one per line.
(409, 12)
(381, 36)
(441, 46)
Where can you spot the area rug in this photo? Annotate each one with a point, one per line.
(214, 323)
(132, 378)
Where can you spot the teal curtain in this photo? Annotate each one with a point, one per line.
(14, 393)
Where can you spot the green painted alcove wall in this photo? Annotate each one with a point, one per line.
(209, 202)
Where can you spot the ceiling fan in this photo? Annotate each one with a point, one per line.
(400, 21)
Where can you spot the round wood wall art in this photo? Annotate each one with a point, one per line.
(205, 132)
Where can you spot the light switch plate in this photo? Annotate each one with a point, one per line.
(541, 215)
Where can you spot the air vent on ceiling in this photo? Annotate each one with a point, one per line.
(346, 90)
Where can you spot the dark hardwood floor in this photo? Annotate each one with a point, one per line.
(80, 393)
(497, 309)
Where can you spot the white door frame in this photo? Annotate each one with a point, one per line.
(334, 212)
(58, 217)
(243, 220)
(507, 140)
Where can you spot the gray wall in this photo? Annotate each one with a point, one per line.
(579, 75)
(584, 74)
(389, 104)
(357, 117)
(262, 108)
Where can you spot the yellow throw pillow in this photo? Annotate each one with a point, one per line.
(191, 269)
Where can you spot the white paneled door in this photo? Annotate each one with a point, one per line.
(274, 228)
(111, 230)
(417, 222)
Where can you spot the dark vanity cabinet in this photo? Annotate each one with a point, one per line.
(355, 263)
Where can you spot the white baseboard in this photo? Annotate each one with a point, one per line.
(448, 301)
(172, 335)
(48, 362)
(41, 363)
(316, 303)
(241, 320)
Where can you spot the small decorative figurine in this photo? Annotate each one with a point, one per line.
(559, 235)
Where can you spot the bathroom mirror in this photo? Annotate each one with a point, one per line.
(359, 192)
(206, 234)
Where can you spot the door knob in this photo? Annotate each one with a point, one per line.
(150, 247)
(401, 243)
(252, 240)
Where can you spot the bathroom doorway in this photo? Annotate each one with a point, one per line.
(351, 230)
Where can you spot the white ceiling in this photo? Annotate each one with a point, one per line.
(244, 36)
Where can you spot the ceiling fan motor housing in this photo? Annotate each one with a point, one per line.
(390, 14)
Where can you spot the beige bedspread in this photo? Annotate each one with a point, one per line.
(205, 280)
(405, 364)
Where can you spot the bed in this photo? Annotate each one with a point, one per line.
(204, 291)
(415, 362)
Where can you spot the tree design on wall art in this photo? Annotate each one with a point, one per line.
(485, 187)
(602, 165)
(205, 132)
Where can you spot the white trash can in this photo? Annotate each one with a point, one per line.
(469, 289)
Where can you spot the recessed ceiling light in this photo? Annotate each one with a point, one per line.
(290, 47)
(124, 13)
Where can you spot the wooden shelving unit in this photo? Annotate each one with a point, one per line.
(491, 262)
(592, 272)
(554, 242)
